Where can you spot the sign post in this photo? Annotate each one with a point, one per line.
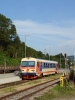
(61, 81)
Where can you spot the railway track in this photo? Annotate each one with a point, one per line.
(27, 93)
(13, 83)
(16, 83)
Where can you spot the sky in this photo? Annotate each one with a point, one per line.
(47, 25)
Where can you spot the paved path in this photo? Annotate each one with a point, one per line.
(62, 70)
(10, 77)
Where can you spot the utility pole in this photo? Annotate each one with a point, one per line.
(65, 56)
(25, 43)
(49, 52)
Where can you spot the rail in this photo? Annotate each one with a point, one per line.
(27, 93)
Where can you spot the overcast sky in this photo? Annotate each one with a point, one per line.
(50, 23)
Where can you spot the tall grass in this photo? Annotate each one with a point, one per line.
(58, 92)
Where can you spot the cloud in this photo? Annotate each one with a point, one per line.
(69, 45)
(28, 26)
(61, 34)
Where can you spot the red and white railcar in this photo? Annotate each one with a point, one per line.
(32, 68)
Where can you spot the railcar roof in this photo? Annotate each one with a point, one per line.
(34, 59)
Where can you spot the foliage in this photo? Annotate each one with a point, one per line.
(9, 61)
(58, 93)
(8, 35)
(11, 47)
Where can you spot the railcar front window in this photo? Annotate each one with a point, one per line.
(24, 63)
(31, 64)
(28, 64)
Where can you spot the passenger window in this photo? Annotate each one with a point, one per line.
(44, 64)
(48, 65)
(51, 65)
(41, 64)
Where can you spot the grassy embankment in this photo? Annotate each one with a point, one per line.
(59, 93)
(9, 61)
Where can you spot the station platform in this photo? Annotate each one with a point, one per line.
(8, 77)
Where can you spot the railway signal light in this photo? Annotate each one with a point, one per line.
(65, 55)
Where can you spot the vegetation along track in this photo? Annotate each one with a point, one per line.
(13, 83)
(27, 93)
(19, 82)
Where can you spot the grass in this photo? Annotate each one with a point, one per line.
(9, 89)
(27, 84)
(58, 93)
(9, 61)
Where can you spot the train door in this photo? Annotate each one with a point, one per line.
(56, 68)
(38, 67)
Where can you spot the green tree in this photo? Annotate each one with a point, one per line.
(7, 32)
(12, 47)
(10, 51)
(16, 45)
(40, 54)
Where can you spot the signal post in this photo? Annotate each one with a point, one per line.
(61, 81)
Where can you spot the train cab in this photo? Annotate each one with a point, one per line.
(32, 68)
(28, 68)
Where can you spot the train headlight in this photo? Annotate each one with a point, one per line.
(27, 70)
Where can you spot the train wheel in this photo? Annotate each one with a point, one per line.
(22, 78)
